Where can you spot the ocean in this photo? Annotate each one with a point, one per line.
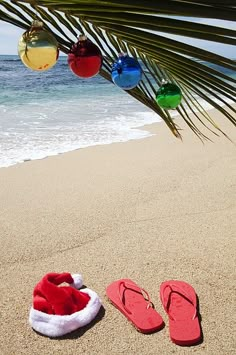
(49, 113)
(52, 112)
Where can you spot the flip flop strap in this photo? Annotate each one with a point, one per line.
(183, 294)
(138, 290)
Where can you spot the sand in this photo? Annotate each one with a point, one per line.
(151, 210)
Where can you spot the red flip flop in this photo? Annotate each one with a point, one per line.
(180, 303)
(134, 302)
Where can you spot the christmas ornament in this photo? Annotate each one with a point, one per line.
(37, 48)
(85, 58)
(58, 310)
(126, 72)
(168, 96)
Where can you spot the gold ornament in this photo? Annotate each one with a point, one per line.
(37, 48)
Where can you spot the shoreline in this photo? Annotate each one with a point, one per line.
(151, 129)
(150, 210)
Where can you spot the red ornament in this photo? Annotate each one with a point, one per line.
(85, 58)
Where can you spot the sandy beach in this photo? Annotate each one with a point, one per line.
(150, 210)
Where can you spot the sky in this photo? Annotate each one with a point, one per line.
(9, 37)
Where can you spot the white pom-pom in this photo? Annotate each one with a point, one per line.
(78, 281)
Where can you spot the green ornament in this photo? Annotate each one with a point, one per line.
(168, 96)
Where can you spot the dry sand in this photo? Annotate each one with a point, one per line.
(150, 210)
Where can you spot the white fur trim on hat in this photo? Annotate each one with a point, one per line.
(78, 281)
(55, 326)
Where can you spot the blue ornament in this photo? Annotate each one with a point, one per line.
(126, 72)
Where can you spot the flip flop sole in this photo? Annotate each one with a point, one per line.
(127, 297)
(180, 302)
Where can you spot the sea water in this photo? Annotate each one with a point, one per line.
(48, 113)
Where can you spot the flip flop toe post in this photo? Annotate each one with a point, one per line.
(134, 302)
(180, 303)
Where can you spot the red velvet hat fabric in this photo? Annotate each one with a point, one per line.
(50, 298)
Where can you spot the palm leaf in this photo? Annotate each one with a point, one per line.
(142, 29)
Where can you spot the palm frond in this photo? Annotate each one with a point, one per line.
(137, 27)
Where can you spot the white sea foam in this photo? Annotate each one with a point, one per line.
(32, 134)
(35, 133)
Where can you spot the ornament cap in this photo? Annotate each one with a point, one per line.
(37, 24)
(82, 37)
(164, 81)
(120, 55)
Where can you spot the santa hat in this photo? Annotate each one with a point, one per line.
(57, 311)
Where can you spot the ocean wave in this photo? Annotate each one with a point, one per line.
(7, 60)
